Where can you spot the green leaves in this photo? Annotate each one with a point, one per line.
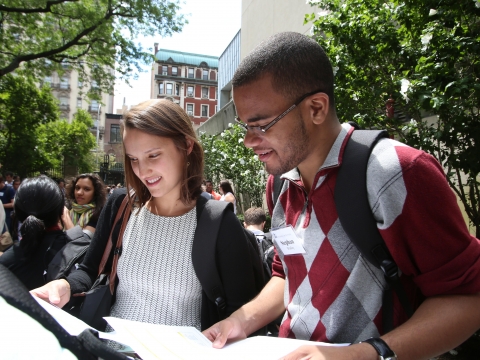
(377, 45)
(100, 35)
(227, 158)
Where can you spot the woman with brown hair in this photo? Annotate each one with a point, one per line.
(157, 282)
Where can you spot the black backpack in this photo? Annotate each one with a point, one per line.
(87, 345)
(72, 254)
(356, 217)
(204, 245)
(267, 252)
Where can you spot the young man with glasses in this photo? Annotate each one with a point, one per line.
(283, 93)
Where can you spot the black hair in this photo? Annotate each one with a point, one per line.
(226, 187)
(38, 205)
(297, 64)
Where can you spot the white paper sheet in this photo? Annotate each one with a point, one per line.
(153, 342)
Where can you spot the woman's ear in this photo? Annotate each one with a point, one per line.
(189, 145)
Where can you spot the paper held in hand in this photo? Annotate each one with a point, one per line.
(153, 342)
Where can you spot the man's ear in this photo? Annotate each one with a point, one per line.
(189, 145)
(319, 105)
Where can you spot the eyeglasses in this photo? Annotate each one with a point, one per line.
(264, 128)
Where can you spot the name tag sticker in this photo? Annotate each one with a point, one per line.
(287, 241)
(1, 193)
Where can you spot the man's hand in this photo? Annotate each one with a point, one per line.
(353, 352)
(56, 292)
(228, 329)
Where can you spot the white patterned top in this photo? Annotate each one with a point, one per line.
(157, 282)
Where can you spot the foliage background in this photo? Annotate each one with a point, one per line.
(227, 158)
(424, 56)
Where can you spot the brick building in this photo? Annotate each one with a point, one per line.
(189, 80)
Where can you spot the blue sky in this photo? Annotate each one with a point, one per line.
(212, 25)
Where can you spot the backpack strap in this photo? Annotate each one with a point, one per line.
(209, 218)
(355, 215)
(277, 188)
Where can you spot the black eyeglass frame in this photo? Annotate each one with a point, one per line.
(264, 128)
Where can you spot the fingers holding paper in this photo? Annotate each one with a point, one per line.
(56, 292)
(228, 329)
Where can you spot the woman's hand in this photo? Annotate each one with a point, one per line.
(56, 292)
(66, 219)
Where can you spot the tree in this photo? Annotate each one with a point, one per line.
(423, 58)
(71, 142)
(23, 107)
(227, 158)
(47, 35)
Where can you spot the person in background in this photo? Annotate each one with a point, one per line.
(254, 220)
(209, 189)
(226, 190)
(7, 194)
(87, 195)
(39, 206)
(16, 184)
(205, 194)
(9, 177)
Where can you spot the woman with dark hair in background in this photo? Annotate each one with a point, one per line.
(38, 205)
(88, 197)
(226, 190)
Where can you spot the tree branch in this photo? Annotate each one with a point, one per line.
(46, 54)
(47, 8)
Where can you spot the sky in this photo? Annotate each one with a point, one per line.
(212, 25)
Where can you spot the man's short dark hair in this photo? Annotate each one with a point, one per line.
(297, 64)
(254, 216)
(8, 173)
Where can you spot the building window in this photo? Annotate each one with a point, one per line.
(160, 88)
(80, 84)
(115, 136)
(169, 88)
(64, 83)
(63, 102)
(190, 91)
(205, 92)
(94, 84)
(79, 102)
(205, 74)
(177, 89)
(174, 70)
(190, 73)
(190, 109)
(204, 110)
(94, 105)
(164, 70)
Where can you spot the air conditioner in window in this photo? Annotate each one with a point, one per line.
(190, 94)
(205, 96)
(164, 73)
(190, 113)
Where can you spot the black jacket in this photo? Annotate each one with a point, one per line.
(232, 260)
(31, 271)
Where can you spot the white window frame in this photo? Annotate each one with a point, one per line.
(164, 70)
(171, 89)
(79, 102)
(205, 74)
(204, 106)
(192, 74)
(191, 94)
(205, 96)
(176, 71)
(161, 88)
(192, 111)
